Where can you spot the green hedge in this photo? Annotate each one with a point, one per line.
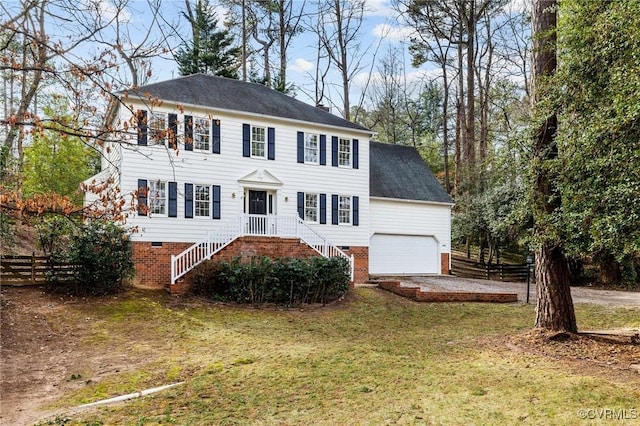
(285, 281)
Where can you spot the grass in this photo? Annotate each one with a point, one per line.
(376, 359)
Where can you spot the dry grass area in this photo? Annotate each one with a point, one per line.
(373, 358)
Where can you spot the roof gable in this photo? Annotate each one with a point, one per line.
(235, 95)
(398, 171)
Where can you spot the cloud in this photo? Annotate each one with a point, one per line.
(378, 8)
(392, 33)
(300, 65)
(107, 10)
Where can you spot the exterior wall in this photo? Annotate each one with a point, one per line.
(225, 169)
(390, 216)
(153, 264)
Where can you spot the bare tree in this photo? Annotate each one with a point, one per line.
(271, 24)
(64, 45)
(435, 41)
(340, 23)
(554, 309)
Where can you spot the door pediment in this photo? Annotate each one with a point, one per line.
(260, 178)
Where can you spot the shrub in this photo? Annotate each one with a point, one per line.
(285, 281)
(99, 252)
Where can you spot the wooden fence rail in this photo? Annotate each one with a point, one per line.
(30, 270)
(504, 272)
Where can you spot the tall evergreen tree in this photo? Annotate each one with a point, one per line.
(210, 51)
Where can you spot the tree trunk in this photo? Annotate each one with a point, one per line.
(608, 269)
(554, 309)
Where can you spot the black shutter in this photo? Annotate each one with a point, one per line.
(323, 209)
(188, 133)
(356, 210)
(173, 199)
(334, 209)
(301, 205)
(216, 202)
(355, 153)
(300, 147)
(334, 151)
(173, 131)
(188, 200)
(323, 150)
(246, 140)
(215, 131)
(271, 143)
(142, 197)
(141, 119)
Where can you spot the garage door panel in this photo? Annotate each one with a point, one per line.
(391, 254)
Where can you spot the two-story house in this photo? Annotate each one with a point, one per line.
(221, 167)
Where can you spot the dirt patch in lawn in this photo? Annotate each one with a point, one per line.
(46, 348)
(46, 351)
(591, 353)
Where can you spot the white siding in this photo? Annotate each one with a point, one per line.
(390, 216)
(224, 169)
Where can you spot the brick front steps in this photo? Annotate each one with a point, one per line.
(418, 295)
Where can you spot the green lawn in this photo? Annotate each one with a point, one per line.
(375, 359)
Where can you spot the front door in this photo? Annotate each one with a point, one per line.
(257, 202)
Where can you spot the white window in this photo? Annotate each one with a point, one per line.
(311, 207)
(258, 142)
(202, 200)
(310, 148)
(157, 197)
(344, 152)
(201, 128)
(344, 210)
(157, 125)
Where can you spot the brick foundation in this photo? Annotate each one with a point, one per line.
(153, 263)
(418, 295)
(361, 263)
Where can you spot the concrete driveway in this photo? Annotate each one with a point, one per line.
(580, 294)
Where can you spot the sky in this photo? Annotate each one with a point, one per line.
(380, 30)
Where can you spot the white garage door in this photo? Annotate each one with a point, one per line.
(391, 254)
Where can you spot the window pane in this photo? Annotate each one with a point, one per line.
(202, 200)
(258, 141)
(201, 128)
(311, 149)
(344, 209)
(311, 207)
(157, 127)
(344, 152)
(157, 197)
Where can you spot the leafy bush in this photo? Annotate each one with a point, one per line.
(99, 253)
(286, 281)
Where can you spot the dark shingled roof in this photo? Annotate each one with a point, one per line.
(398, 171)
(226, 93)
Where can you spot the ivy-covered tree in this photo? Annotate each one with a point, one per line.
(210, 50)
(554, 309)
(599, 93)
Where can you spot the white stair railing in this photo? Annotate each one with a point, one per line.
(253, 225)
